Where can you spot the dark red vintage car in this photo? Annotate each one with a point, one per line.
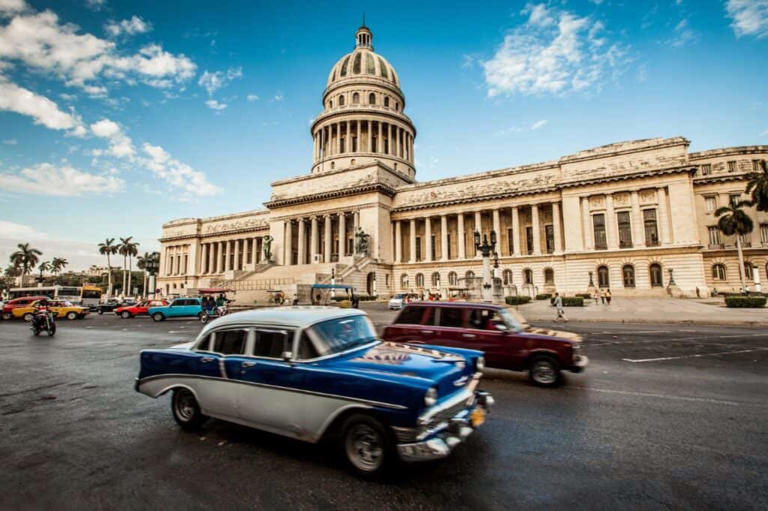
(506, 339)
(139, 309)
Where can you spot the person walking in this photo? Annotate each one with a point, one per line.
(596, 296)
(602, 295)
(559, 308)
(608, 296)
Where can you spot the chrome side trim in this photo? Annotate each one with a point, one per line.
(277, 387)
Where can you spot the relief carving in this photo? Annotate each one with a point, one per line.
(647, 196)
(621, 199)
(236, 225)
(597, 201)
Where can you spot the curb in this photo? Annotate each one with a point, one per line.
(658, 321)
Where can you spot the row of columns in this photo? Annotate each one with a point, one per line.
(307, 249)
(221, 256)
(370, 137)
(176, 259)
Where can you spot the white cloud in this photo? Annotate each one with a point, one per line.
(14, 231)
(252, 97)
(684, 35)
(41, 42)
(120, 145)
(132, 26)
(539, 124)
(552, 52)
(212, 82)
(12, 6)
(278, 97)
(176, 173)
(44, 111)
(748, 17)
(215, 105)
(95, 4)
(10, 141)
(64, 181)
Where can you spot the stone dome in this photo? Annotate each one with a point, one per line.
(363, 62)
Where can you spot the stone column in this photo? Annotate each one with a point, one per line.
(302, 243)
(586, 218)
(638, 233)
(227, 252)
(327, 230)
(461, 242)
(428, 239)
(556, 226)
(478, 228)
(203, 257)
(359, 148)
(337, 145)
(389, 139)
(370, 137)
(378, 139)
(497, 225)
(412, 245)
(313, 239)
(221, 257)
(256, 251)
(398, 241)
(610, 223)
(663, 220)
(536, 229)
(343, 232)
(516, 231)
(287, 254)
(443, 238)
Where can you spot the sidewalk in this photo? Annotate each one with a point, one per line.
(651, 310)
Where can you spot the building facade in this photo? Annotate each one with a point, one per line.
(633, 216)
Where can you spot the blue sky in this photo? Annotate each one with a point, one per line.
(118, 116)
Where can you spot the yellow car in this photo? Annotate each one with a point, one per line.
(62, 309)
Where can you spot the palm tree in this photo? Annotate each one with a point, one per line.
(58, 264)
(25, 258)
(44, 266)
(141, 263)
(734, 220)
(128, 249)
(108, 248)
(758, 187)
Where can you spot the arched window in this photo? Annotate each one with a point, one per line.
(469, 278)
(383, 68)
(506, 276)
(344, 67)
(404, 281)
(655, 271)
(397, 106)
(436, 279)
(419, 280)
(549, 276)
(528, 276)
(341, 100)
(602, 277)
(453, 279)
(355, 98)
(371, 98)
(748, 273)
(330, 104)
(356, 64)
(718, 272)
(333, 164)
(628, 274)
(386, 101)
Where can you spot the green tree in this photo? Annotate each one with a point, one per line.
(757, 186)
(732, 220)
(108, 248)
(128, 249)
(58, 264)
(25, 259)
(43, 267)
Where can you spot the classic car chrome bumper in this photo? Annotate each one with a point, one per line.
(439, 440)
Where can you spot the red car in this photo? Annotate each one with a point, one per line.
(506, 339)
(139, 309)
(19, 302)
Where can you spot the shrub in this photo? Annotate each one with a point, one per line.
(544, 296)
(744, 302)
(517, 300)
(573, 301)
(586, 296)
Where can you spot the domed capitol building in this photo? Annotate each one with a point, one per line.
(630, 216)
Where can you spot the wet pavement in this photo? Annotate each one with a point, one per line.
(666, 416)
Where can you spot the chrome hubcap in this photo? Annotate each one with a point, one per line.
(543, 372)
(364, 447)
(185, 406)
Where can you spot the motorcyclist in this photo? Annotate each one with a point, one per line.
(42, 309)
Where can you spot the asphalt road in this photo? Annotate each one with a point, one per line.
(666, 416)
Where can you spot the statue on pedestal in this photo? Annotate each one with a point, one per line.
(361, 242)
(268, 248)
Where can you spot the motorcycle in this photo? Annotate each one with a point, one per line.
(216, 312)
(43, 320)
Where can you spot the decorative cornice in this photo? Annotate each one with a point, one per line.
(358, 190)
(626, 177)
(728, 151)
(700, 180)
(214, 234)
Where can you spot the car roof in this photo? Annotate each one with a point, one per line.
(470, 305)
(297, 317)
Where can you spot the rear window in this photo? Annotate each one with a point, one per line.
(451, 317)
(230, 342)
(410, 316)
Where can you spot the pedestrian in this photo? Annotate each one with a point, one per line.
(559, 308)
(596, 296)
(608, 296)
(602, 296)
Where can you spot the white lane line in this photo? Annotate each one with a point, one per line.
(662, 359)
(668, 396)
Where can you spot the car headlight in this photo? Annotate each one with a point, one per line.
(480, 364)
(430, 398)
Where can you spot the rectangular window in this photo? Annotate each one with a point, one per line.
(755, 165)
(734, 197)
(731, 166)
(272, 343)
(451, 317)
(449, 255)
(529, 239)
(418, 248)
(549, 231)
(625, 229)
(714, 236)
(598, 226)
(651, 228)
(230, 342)
(706, 169)
(710, 204)
(764, 234)
(431, 249)
(341, 145)
(511, 241)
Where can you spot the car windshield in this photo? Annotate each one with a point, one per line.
(341, 334)
(400, 296)
(513, 320)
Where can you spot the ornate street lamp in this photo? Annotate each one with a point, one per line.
(486, 249)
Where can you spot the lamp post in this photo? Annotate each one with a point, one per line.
(486, 249)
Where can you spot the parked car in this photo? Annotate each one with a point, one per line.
(506, 339)
(61, 308)
(139, 309)
(178, 308)
(398, 301)
(18, 302)
(315, 373)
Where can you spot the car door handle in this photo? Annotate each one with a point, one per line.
(428, 331)
(205, 360)
(248, 364)
(470, 336)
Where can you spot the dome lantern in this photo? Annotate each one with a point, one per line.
(364, 37)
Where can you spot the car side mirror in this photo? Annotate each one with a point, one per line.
(287, 356)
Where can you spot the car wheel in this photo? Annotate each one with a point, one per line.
(7, 316)
(71, 316)
(185, 409)
(125, 314)
(100, 312)
(158, 316)
(28, 317)
(204, 317)
(544, 371)
(367, 446)
(52, 330)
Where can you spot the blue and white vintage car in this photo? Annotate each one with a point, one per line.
(316, 373)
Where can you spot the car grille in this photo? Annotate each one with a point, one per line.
(449, 413)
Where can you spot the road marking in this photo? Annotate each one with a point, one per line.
(668, 396)
(662, 359)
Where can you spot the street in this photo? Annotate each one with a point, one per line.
(665, 416)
